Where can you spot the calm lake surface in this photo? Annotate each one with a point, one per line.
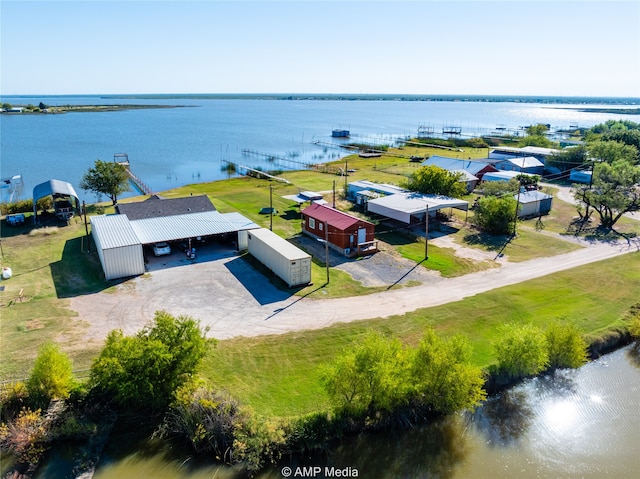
(176, 146)
(582, 423)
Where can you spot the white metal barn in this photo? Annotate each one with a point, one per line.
(119, 248)
(287, 261)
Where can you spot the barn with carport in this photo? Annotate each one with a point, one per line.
(127, 238)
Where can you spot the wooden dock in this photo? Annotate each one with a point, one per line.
(138, 184)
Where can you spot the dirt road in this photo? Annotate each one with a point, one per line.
(232, 299)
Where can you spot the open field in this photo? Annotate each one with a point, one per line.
(279, 374)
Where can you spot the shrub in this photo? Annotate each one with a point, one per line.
(567, 348)
(521, 351)
(13, 397)
(370, 376)
(145, 370)
(51, 377)
(24, 436)
(634, 322)
(443, 377)
(205, 419)
(495, 216)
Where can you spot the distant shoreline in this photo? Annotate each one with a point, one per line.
(60, 109)
(577, 100)
(382, 97)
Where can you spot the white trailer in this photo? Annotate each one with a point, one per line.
(287, 261)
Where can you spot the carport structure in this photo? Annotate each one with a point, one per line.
(59, 190)
(120, 230)
(412, 207)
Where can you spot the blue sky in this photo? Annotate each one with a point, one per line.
(567, 48)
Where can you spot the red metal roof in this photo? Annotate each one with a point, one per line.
(331, 216)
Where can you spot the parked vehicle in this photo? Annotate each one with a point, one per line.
(161, 249)
(15, 219)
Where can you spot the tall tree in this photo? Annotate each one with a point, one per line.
(434, 180)
(614, 191)
(568, 158)
(106, 178)
(610, 151)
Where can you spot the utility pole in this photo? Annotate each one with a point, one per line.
(86, 226)
(426, 234)
(326, 247)
(334, 193)
(270, 207)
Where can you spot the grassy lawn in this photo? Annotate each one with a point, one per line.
(279, 375)
(443, 260)
(49, 265)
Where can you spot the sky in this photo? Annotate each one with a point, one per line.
(513, 47)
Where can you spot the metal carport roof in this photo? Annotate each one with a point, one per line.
(114, 231)
(177, 227)
(53, 187)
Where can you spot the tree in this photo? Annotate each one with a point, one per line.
(567, 348)
(500, 188)
(442, 375)
(434, 180)
(51, 377)
(146, 369)
(614, 191)
(521, 351)
(368, 377)
(611, 151)
(495, 216)
(536, 136)
(106, 178)
(568, 158)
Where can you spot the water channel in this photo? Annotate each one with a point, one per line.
(576, 423)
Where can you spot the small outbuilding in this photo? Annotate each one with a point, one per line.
(347, 234)
(533, 203)
(581, 176)
(119, 248)
(286, 260)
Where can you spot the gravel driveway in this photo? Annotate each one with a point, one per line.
(234, 299)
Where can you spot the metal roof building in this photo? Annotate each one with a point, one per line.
(120, 240)
(533, 203)
(119, 248)
(405, 206)
(177, 227)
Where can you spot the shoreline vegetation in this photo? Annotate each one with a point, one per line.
(57, 110)
(354, 97)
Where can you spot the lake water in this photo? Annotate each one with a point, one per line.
(177, 146)
(582, 423)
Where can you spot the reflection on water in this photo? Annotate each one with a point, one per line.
(575, 423)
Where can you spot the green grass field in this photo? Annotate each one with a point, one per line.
(279, 375)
